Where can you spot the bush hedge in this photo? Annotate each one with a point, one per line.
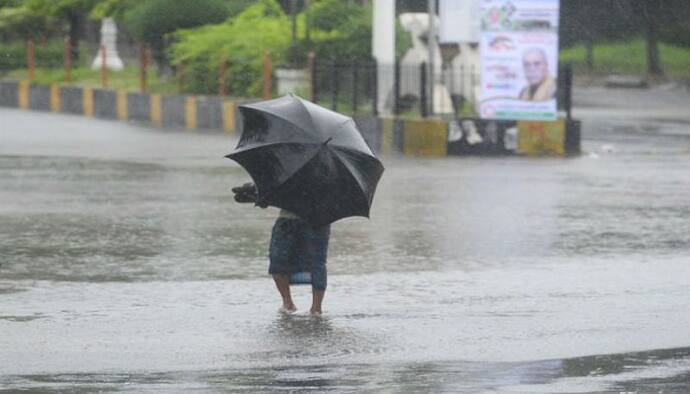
(13, 55)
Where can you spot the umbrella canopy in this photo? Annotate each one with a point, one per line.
(307, 159)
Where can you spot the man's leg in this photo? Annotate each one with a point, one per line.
(317, 253)
(283, 239)
(283, 285)
(316, 300)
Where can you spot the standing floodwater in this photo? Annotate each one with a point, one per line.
(125, 265)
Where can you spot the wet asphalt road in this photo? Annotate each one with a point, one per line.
(126, 266)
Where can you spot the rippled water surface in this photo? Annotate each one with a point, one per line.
(125, 265)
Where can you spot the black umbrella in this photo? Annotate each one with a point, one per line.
(307, 159)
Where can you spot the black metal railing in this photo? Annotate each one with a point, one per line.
(352, 87)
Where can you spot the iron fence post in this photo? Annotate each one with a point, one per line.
(423, 109)
(355, 89)
(375, 88)
(334, 86)
(568, 96)
(396, 89)
(311, 59)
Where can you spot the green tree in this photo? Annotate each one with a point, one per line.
(344, 31)
(242, 39)
(45, 17)
(18, 22)
(595, 21)
(112, 9)
(649, 12)
(72, 12)
(338, 30)
(150, 21)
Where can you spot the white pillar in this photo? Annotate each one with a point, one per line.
(108, 40)
(433, 47)
(383, 47)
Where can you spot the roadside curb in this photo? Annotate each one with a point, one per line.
(428, 137)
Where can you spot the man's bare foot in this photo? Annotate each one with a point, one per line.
(315, 312)
(288, 309)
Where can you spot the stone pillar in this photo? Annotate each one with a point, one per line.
(383, 47)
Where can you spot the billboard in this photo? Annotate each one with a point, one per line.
(519, 59)
(459, 21)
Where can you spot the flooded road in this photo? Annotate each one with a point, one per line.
(125, 265)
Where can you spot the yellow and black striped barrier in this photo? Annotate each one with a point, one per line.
(193, 113)
(411, 137)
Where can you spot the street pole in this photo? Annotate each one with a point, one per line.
(268, 74)
(222, 68)
(68, 59)
(104, 67)
(31, 60)
(293, 16)
(143, 63)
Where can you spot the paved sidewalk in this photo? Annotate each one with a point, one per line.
(664, 103)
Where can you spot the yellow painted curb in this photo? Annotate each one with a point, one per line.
(190, 113)
(425, 138)
(23, 94)
(55, 97)
(156, 113)
(387, 135)
(122, 105)
(229, 117)
(538, 138)
(87, 101)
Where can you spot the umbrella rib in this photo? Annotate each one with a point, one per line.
(311, 118)
(306, 162)
(341, 162)
(341, 129)
(359, 185)
(307, 132)
(361, 189)
(244, 149)
(346, 163)
(313, 123)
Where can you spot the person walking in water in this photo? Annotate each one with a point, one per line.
(297, 248)
(315, 163)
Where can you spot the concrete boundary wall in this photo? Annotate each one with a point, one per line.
(9, 94)
(411, 137)
(71, 100)
(209, 113)
(105, 104)
(173, 112)
(138, 106)
(39, 97)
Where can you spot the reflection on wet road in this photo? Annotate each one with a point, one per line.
(126, 266)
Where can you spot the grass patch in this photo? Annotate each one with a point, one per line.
(629, 58)
(126, 79)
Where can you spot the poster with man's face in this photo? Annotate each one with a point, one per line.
(519, 59)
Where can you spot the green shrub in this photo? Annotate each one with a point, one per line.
(343, 31)
(13, 55)
(628, 58)
(242, 40)
(151, 20)
(338, 30)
